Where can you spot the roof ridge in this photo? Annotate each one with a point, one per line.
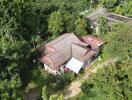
(61, 38)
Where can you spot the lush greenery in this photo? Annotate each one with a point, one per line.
(120, 43)
(123, 7)
(113, 82)
(25, 24)
(56, 25)
(103, 26)
(59, 83)
(81, 26)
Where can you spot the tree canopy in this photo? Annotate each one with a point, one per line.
(103, 26)
(120, 43)
(123, 7)
(23, 24)
(112, 82)
(81, 26)
(55, 24)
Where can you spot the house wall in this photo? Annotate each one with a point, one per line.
(50, 70)
(91, 59)
(86, 63)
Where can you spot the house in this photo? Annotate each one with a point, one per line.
(68, 52)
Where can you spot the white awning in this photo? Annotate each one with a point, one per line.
(74, 65)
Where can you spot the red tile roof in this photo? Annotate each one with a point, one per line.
(94, 42)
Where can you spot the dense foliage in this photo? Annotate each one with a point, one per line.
(56, 24)
(81, 25)
(103, 26)
(113, 82)
(123, 7)
(23, 24)
(120, 42)
(15, 36)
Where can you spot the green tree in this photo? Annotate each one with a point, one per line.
(103, 26)
(120, 43)
(112, 82)
(122, 7)
(81, 26)
(14, 38)
(119, 10)
(10, 83)
(109, 4)
(21, 19)
(12, 57)
(127, 8)
(55, 24)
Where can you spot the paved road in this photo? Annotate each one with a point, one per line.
(74, 88)
(98, 12)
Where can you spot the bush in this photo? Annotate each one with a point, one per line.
(63, 80)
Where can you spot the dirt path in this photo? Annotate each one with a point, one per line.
(96, 13)
(74, 88)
